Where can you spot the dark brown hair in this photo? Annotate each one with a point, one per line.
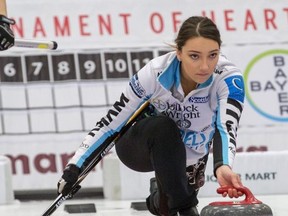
(197, 26)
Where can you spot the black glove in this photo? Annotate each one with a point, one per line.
(6, 34)
(68, 179)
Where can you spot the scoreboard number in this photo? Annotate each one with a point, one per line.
(140, 59)
(116, 65)
(37, 68)
(90, 66)
(10, 69)
(64, 67)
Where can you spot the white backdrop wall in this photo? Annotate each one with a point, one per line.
(50, 100)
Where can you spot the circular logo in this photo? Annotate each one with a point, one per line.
(161, 105)
(266, 84)
(184, 123)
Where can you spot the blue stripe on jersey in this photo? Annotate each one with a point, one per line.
(177, 76)
(93, 147)
(224, 138)
(235, 86)
(102, 139)
(168, 77)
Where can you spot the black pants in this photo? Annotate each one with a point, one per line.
(154, 144)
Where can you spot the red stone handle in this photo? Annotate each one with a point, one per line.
(249, 197)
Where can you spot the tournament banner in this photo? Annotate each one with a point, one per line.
(126, 23)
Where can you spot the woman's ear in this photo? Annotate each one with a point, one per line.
(178, 53)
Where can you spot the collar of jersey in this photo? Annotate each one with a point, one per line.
(171, 75)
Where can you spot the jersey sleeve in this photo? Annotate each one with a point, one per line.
(231, 94)
(138, 90)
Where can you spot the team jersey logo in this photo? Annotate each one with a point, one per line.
(199, 99)
(160, 105)
(235, 86)
(111, 115)
(183, 123)
(136, 87)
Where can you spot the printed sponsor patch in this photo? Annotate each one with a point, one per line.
(160, 105)
(183, 123)
(137, 87)
(235, 86)
(199, 99)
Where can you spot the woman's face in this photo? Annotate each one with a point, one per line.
(199, 57)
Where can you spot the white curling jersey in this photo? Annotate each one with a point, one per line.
(208, 114)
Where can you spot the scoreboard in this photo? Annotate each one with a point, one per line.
(64, 91)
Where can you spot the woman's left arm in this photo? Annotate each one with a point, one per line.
(231, 96)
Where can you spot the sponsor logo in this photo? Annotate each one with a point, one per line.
(182, 112)
(106, 120)
(106, 150)
(84, 145)
(217, 71)
(261, 176)
(178, 107)
(177, 111)
(194, 139)
(237, 82)
(61, 201)
(160, 105)
(205, 128)
(266, 84)
(199, 99)
(183, 124)
(236, 88)
(137, 87)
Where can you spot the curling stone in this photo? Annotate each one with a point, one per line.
(250, 206)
